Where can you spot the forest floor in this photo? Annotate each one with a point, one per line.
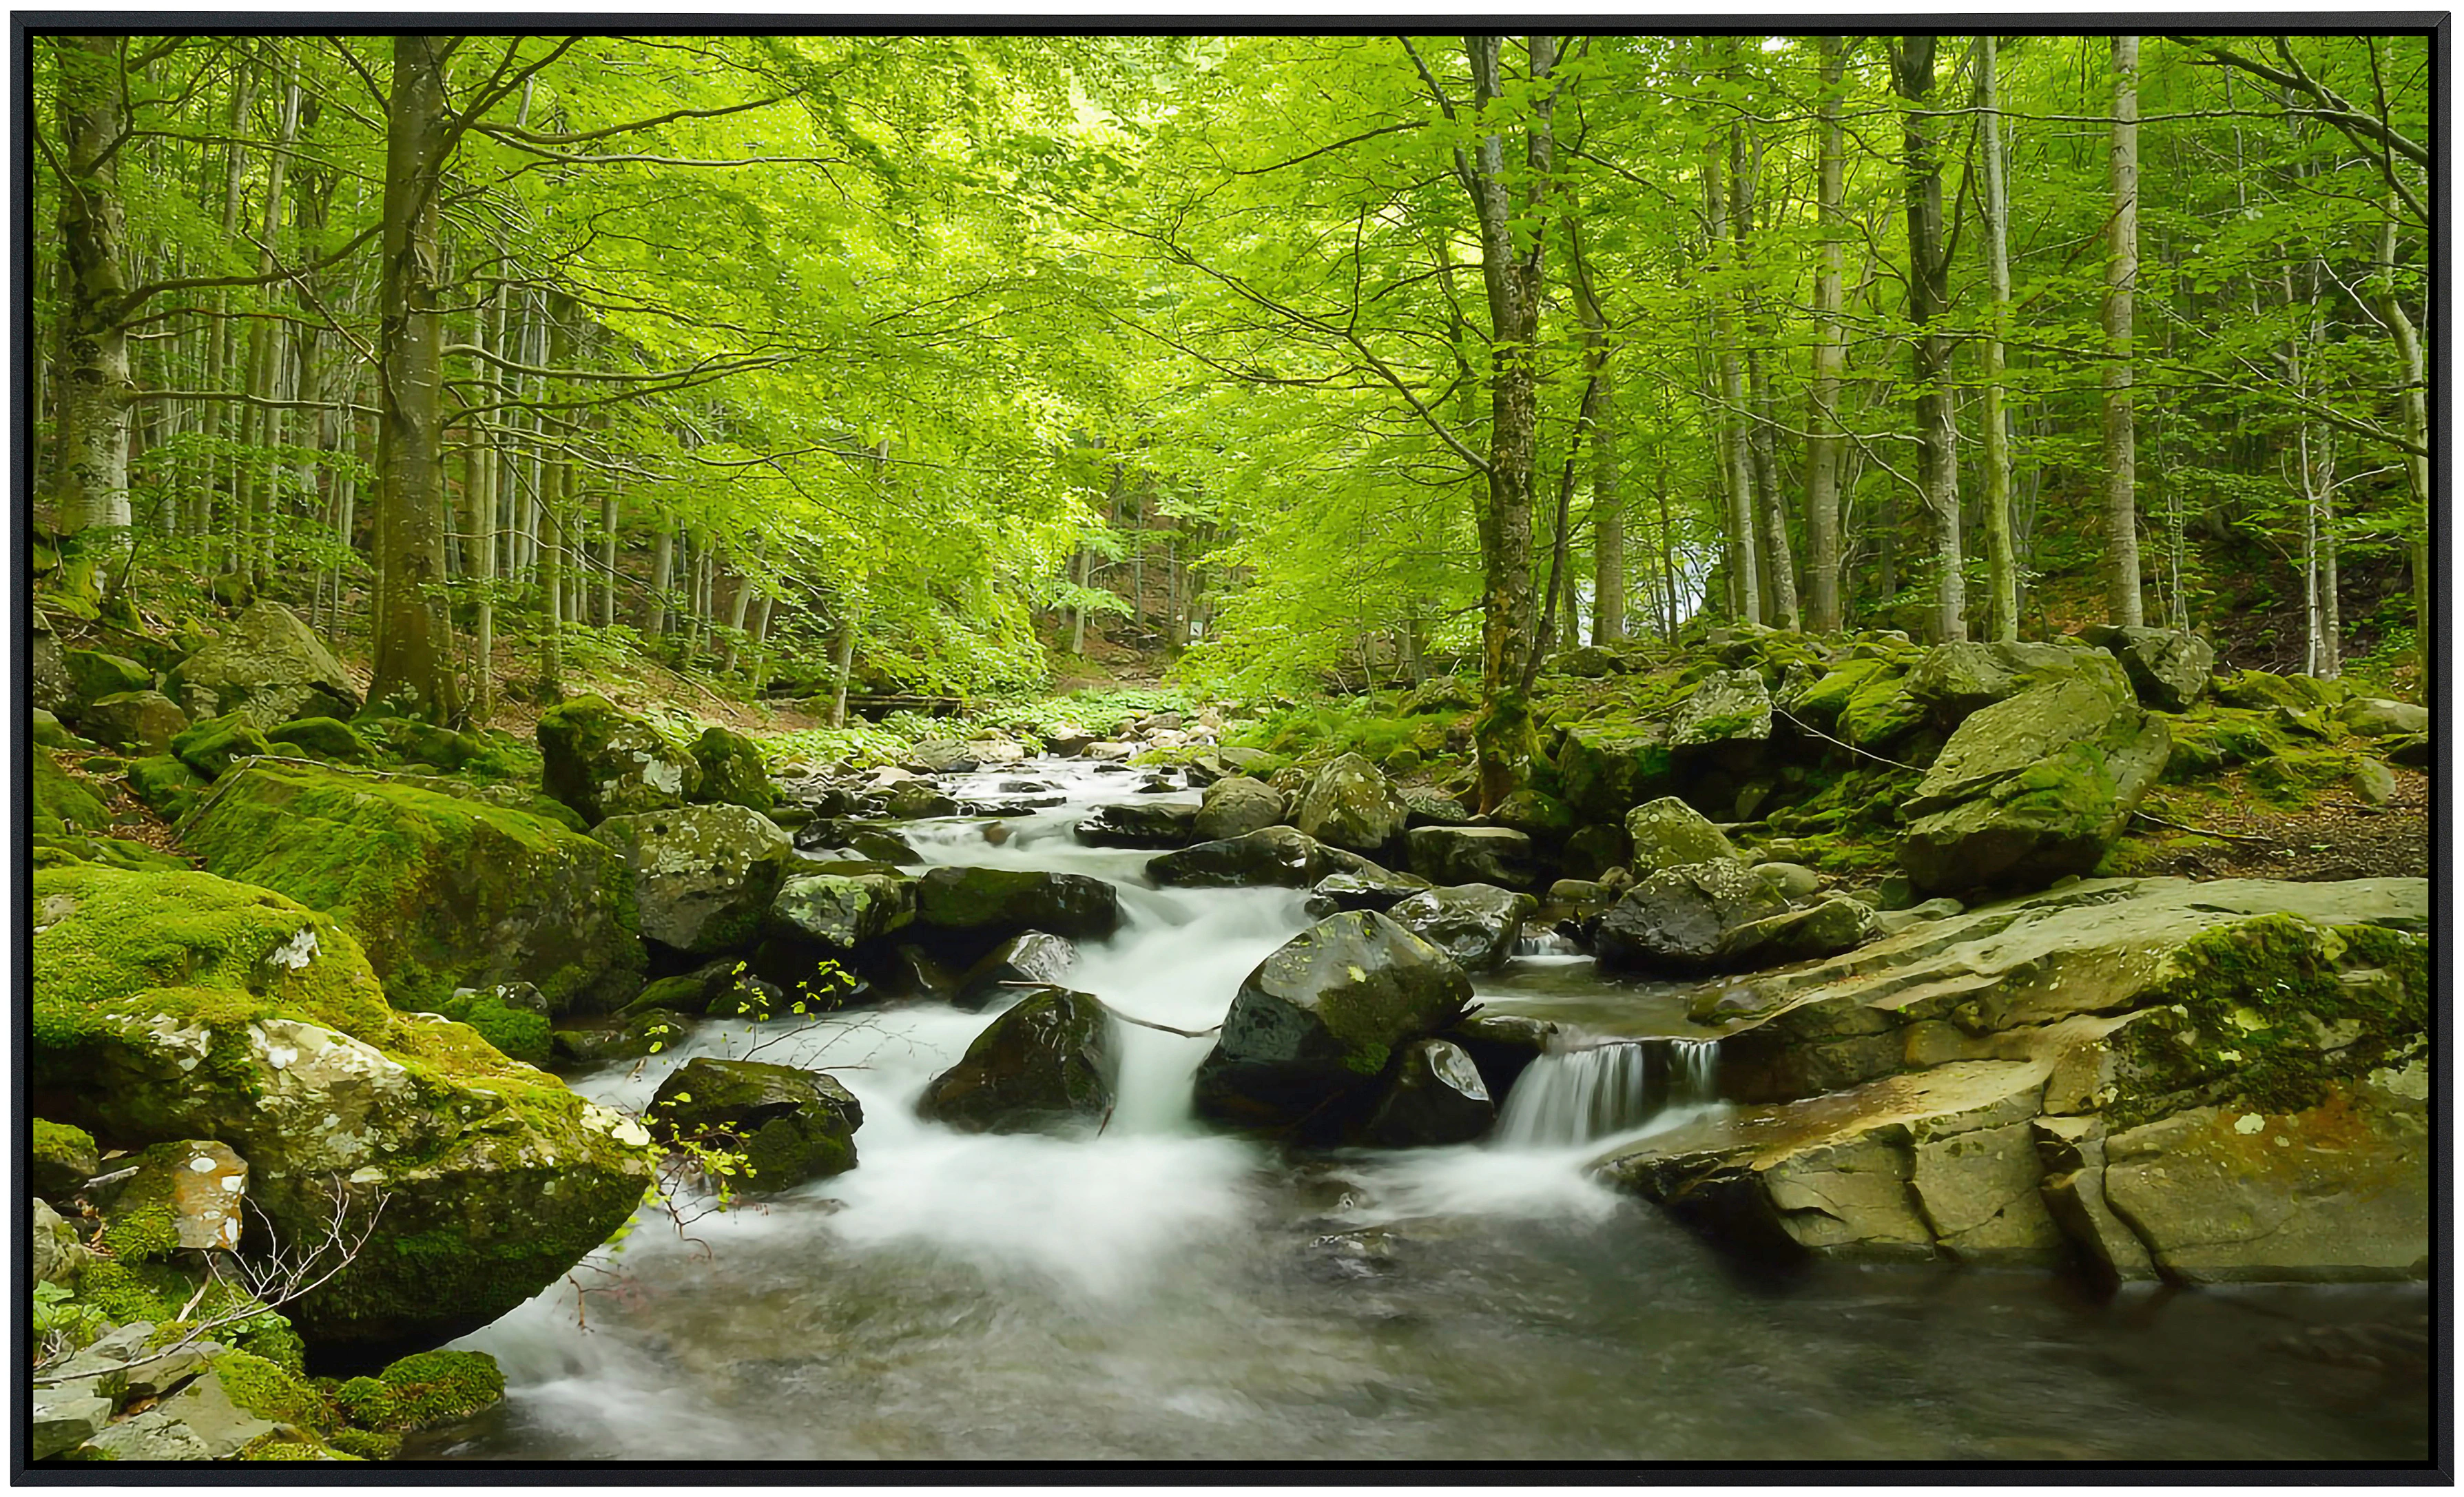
(2332, 837)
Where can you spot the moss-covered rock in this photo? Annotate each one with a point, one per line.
(843, 910)
(210, 746)
(63, 802)
(642, 1031)
(1235, 806)
(2295, 694)
(1047, 1065)
(167, 786)
(516, 1027)
(790, 1125)
(63, 1157)
(442, 891)
(2168, 667)
(703, 876)
(135, 722)
(268, 667)
(93, 675)
(44, 728)
(325, 738)
(602, 761)
(998, 901)
(423, 1390)
(1725, 707)
(1348, 803)
(2031, 788)
(731, 773)
(183, 1005)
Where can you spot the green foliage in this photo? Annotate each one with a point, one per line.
(422, 1390)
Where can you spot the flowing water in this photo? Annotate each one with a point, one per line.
(1162, 1293)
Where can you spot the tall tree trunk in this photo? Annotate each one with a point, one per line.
(413, 632)
(1736, 466)
(2120, 280)
(260, 425)
(2001, 565)
(1929, 300)
(2414, 403)
(1775, 563)
(92, 472)
(663, 567)
(1510, 276)
(1599, 417)
(1823, 443)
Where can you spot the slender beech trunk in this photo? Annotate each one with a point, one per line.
(2413, 400)
(1775, 563)
(2001, 565)
(2120, 280)
(1736, 465)
(663, 568)
(1928, 301)
(1823, 443)
(92, 474)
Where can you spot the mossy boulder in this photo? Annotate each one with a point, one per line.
(269, 667)
(1606, 766)
(999, 901)
(325, 738)
(604, 761)
(2297, 695)
(1315, 1027)
(1726, 707)
(1678, 919)
(133, 722)
(2376, 717)
(1047, 1065)
(63, 803)
(442, 891)
(419, 742)
(841, 911)
(63, 1157)
(2169, 669)
(1235, 806)
(731, 773)
(1149, 823)
(1271, 856)
(1537, 814)
(1471, 855)
(183, 1005)
(1953, 682)
(2032, 789)
(212, 745)
(1475, 924)
(703, 876)
(167, 786)
(791, 1125)
(1669, 833)
(43, 726)
(1030, 958)
(93, 675)
(1348, 803)
(511, 1016)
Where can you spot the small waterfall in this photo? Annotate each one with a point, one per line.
(1546, 943)
(1574, 1097)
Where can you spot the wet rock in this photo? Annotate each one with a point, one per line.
(602, 761)
(1366, 1252)
(2031, 788)
(135, 722)
(731, 772)
(1046, 1065)
(1677, 917)
(1791, 881)
(998, 901)
(1436, 1097)
(1503, 1046)
(641, 1031)
(914, 800)
(1146, 825)
(792, 1125)
(1471, 855)
(1827, 929)
(268, 667)
(1668, 833)
(703, 876)
(941, 756)
(1339, 891)
(842, 911)
(1030, 958)
(1237, 806)
(1433, 807)
(1537, 814)
(1067, 743)
(1272, 855)
(2168, 667)
(1593, 850)
(1350, 804)
(1475, 924)
(843, 840)
(1316, 1023)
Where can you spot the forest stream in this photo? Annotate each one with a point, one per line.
(1162, 1292)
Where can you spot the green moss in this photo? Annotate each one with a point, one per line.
(2295, 777)
(63, 802)
(272, 1391)
(425, 1389)
(64, 1146)
(2266, 1012)
(516, 1032)
(209, 747)
(1880, 710)
(1822, 702)
(167, 786)
(366, 1444)
(413, 871)
(278, 1447)
(326, 737)
(123, 1295)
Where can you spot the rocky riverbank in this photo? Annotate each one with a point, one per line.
(344, 951)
